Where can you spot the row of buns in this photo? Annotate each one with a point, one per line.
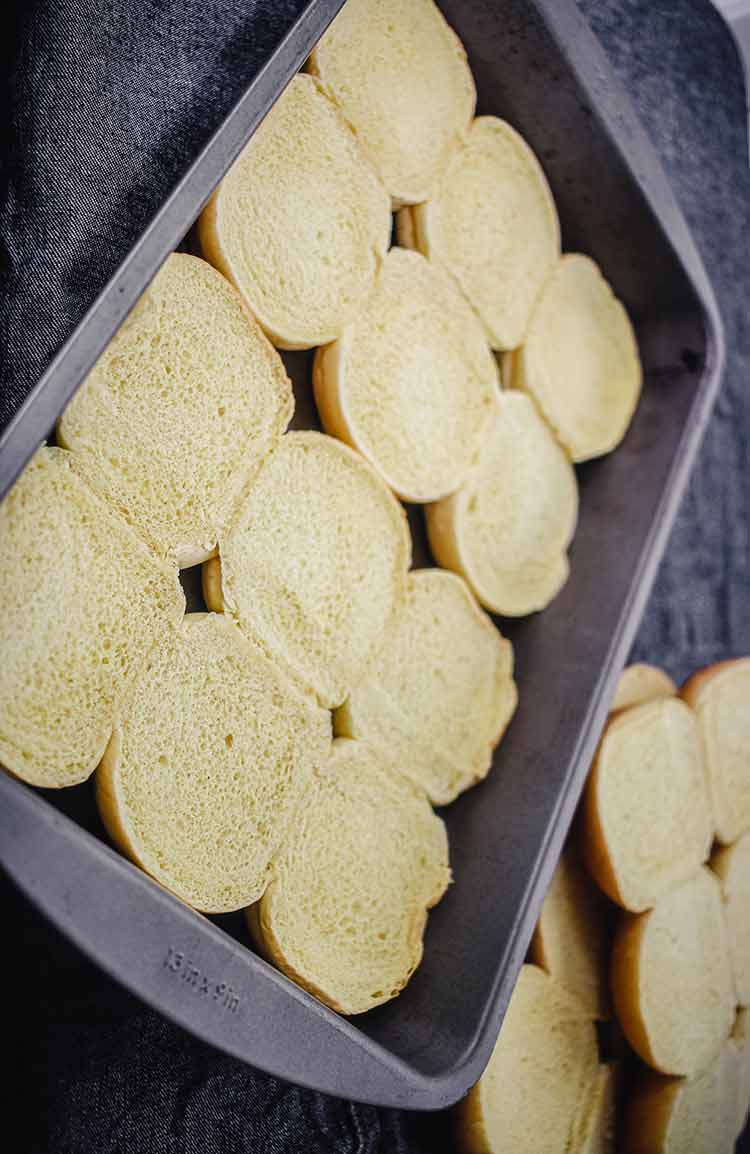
(672, 978)
(217, 737)
(237, 755)
(190, 399)
(404, 371)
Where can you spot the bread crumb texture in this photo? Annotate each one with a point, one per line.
(671, 978)
(641, 683)
(508, 528)
(181, 410)
(346, 910)
(573, 936)
(599, 1115)
(492, 224)
(731, 864)
(402, 80)
(412, 382)
(720, 696)
(84, 600)
(646, 814)
(739, 1047)
(208, 768)
(693, 1115)
(440, 692)
(314, 565)
(541, 1073)
(300, 222)
(580, 360)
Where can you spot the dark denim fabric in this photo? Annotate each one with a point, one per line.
(683, 72)
(107, 103)
(108, 100)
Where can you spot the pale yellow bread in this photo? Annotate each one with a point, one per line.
(542, 1070)
(671, 978)
(739, 1046)
(640, 683)
(181, 410)
(346, 910)
(205, 773)
(411, 383)
(507, 529)
(314, 564)
(732, 866)
(579, 360)
(720, 695)
(83, 600)
(598, 1129)
(440, 693)
(492, 224)
(572, 937)
(300, 222)
(683, 1115)
(646, 821)
(401, 78)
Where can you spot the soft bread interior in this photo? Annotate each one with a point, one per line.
(671, 978)
(640, 683)
(181, 410)
(346, 910)
(300, 222)
(739, 1046)
(401, 78)
(507, 529)
(207, 769)
(440, 693)
(411, 383)
(543, 1067)
(84, 600)
(683, 1115)
(731, 864)
(314, 564)
(720, 696)
(646, 817)
(572, 937)
(598, 1131)
(492, 224)
(580, 360)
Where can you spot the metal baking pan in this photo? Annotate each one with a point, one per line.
(536, 63)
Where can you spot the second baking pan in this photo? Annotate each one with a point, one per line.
(538, 65)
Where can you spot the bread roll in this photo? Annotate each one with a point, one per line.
(671, 979)
(83, 601)
(720, 695)
(300, 222)
(181, 410)
(411, 383)
(346, 910)
(739, 1047)
(440, 693)
(598, 1132)
(400, 76)
(542, 1071)
(640, 683)
(732, 866)
(492, 224)
(207, 768)
(507, 529)
(580, 360)
(683, 1115)
(646, 822)
(314, 564)
(572, 937)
